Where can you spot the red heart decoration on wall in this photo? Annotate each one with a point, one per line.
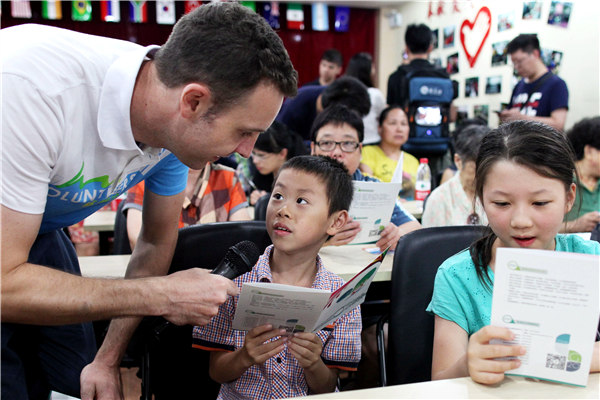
(483, 12)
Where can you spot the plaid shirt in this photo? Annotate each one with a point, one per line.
(280, 376)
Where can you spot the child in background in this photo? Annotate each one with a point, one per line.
(380, 160)
(524, 179)
(308, 204)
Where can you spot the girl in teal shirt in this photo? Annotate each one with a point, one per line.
(524, 179)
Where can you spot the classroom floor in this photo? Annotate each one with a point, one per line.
(131, 386)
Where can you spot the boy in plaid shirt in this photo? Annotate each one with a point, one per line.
(309, 203)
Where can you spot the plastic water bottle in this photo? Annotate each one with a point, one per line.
(423, 186)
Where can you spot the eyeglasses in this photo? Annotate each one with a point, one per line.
(346, 146)
(473, 219)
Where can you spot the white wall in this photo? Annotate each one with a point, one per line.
(579, 43)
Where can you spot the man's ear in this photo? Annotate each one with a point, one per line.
(195, 101)
(312, 148)
(337, 221)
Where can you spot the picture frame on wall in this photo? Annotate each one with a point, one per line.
(435, 38)
(506, 21)
(481, 111)
(560, 12)
(437, 62)
(552, 59)
(472, 87)
(493, 84)
(449, 36)
(499, 53)
(532, 10)
(452, 64)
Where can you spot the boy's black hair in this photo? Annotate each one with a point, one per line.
(338, 183)
(278, 137)
(584, 132)
(337, 115)
(333, 56)
(526, 42)
(418, 38)
(532, 145)
(347, 91)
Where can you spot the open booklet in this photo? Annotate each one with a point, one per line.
(549, 300)
(372, 206)
(299, 309)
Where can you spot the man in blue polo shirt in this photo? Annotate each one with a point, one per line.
(83, 119)
(540, 96)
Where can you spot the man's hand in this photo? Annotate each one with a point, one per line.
(255, 195)
(346, 235)
(194, 295)
(256, 351)
(306, 348)
(101, 382)
(511, 114)
(585, 223)
(389, 237)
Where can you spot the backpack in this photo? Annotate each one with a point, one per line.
(427, 105)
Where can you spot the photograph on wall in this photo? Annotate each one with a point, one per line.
(481, 111)
(532, 9)
(506, 21)
(462, 113)
(493, 84)
(472, 87)
(435, 38)
(499, 54)
(552, 59)
(452, 64)
(449, 36)
(560, 11)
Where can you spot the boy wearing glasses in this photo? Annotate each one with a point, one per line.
(338, 132)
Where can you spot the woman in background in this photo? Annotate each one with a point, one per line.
(361, 67)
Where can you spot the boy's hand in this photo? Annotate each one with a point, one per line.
(481, 354)
(389, 237)
(306, 348)
(256, 351)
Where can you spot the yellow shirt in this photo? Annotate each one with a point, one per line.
(383, 167)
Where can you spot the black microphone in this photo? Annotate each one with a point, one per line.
(238, 260)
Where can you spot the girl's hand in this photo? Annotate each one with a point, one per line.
(255, 195)
(481, 354)
(256, 351)
(306, 348)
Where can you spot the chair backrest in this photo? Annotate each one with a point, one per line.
(174, 370)
(416, 260)
(260, 208)
(121, 239)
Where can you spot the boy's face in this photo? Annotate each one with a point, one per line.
(298, 213)
(338, 133)
(328, 71)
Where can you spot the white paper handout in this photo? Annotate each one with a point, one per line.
(299, 309)
(549, 300)
(372, 206)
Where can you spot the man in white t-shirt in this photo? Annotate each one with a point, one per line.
(83, 119)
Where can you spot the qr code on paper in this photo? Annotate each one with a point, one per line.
(555, 361)
(374, 232)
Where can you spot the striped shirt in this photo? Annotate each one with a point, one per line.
(281, 376)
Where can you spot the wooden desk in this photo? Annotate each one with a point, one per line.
(100, 221)
(346, 261)
(464, 388)
(415, 207)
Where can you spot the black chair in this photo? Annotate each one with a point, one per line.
(171, 368)
(260, 208)
(416, 260)
(121, 239)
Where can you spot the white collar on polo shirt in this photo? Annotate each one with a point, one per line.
(114, 122)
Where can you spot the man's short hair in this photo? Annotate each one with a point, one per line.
(347, 91)
(584, 132)
(526, 42)
(333, 56)
(229, 48)
(418, 38)
(334, 174)
(338, 115)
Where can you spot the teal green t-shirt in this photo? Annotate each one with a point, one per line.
(459, 295)
(585, 201)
